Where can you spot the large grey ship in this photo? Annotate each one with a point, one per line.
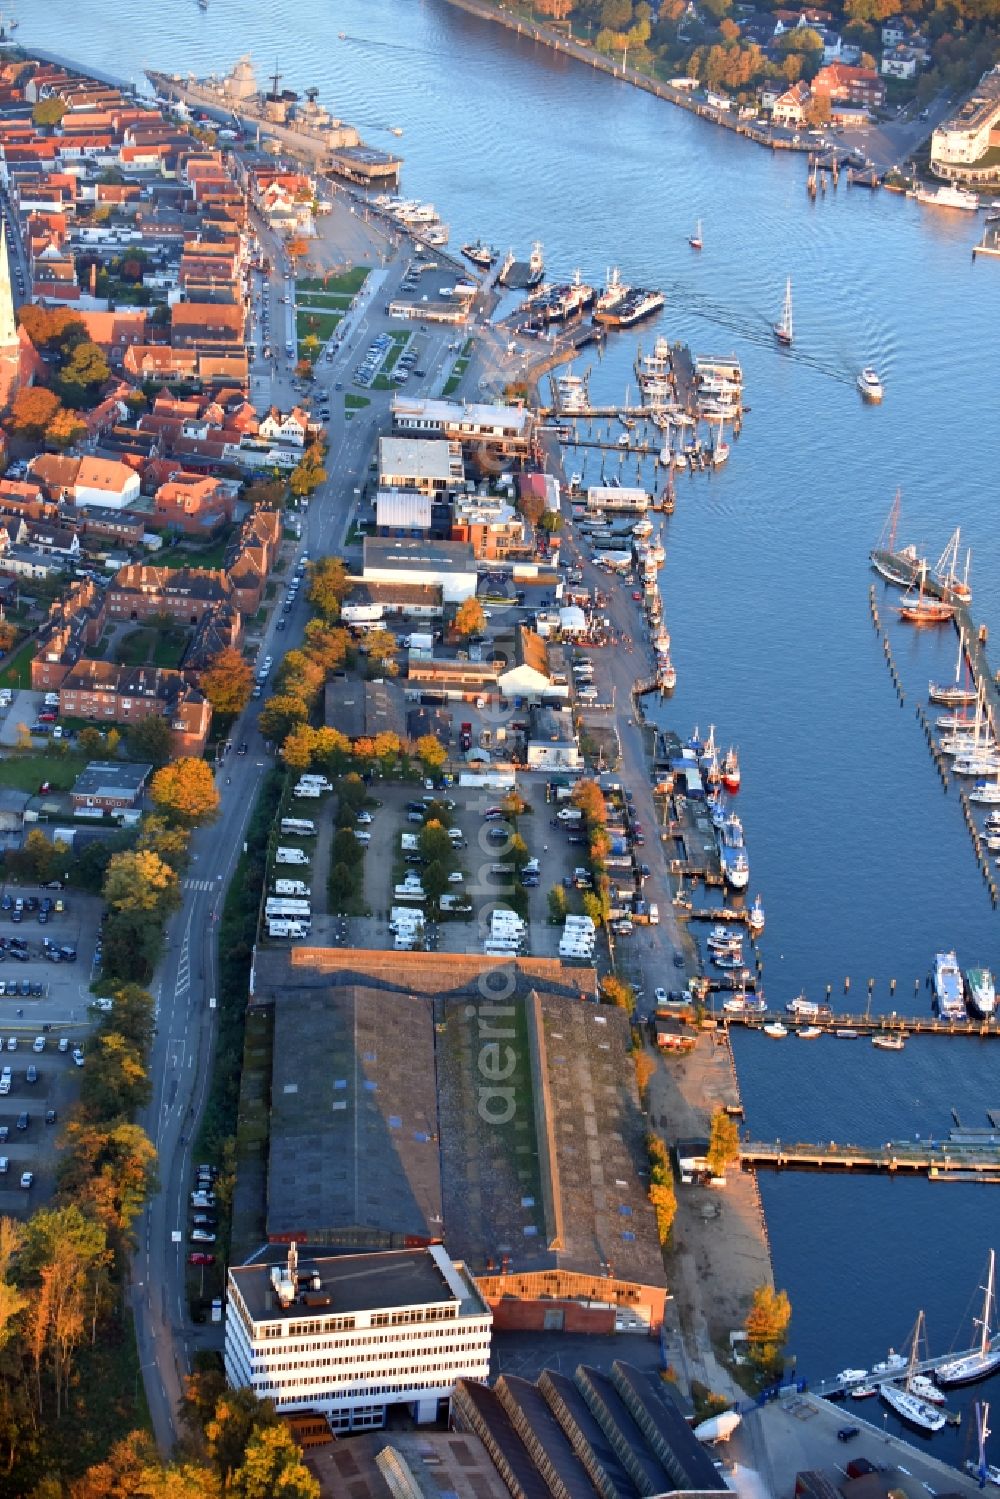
(305, 128)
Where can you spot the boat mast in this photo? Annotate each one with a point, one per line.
(984, 1340)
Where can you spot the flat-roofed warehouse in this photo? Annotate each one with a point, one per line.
(409, 1106)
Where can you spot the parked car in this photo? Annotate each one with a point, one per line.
(199, 1257)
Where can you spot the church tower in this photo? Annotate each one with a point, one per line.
(10, 343)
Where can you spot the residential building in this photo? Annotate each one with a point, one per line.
(106, 693)
(187, 594)
(841, 83)
(292, 427)
(367, 603)
(104, 483)
(900, 62)
(490, 525)
(424, 466)
(110, 785)
(503, 430)
(449, 565)
(193, 504)
(355, 1335)
(790, 107)
(965, 137)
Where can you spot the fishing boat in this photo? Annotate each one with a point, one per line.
(755, 916)
(886, 1041)
(908, 1405)
(983, 1360)
(783, 330)
(981, 1469)
(731, 770)
(735, 864)
(919, 609)
(949, 989)
(870, 386)
(775, 1030)
(957, 694)
(981, 990)
(695, 240)
(946, 569)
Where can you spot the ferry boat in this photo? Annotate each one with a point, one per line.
(555, 304)
(735, 864)
(611, 295)
(947, 196)
(982, 1361)
(783, 330)
(870, 385)
(637, 304)
(949, 990)
(481, 255)
(981, 991)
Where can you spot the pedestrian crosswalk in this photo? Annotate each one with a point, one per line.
(197, 884)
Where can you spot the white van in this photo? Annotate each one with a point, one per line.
(307, 792)
(299, 827)
(291, 856)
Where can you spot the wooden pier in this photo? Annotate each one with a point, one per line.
(938, 1160)
(832, 1387)
(867, 1024)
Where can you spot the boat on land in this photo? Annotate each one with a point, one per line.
(981, 991)
(783, 328)
(904, 1401)
(695, 240)
(887, 1041)
(983, 1360)
(949, 991)
(870, 385)
(920, 609)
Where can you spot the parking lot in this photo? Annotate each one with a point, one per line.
(53, 1014)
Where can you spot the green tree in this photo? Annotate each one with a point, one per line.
(518, 852)
(281, 714)
(327, 586)
(149, 739)
(557, 904)
(767, 1325)
(592, 907)
(90, 742)
(723, 1142)
(469, 617)
(347, 849)
(342, 886)
(38, 860)
(227, 682)
(435, 845)
(81, 377)
(185, 791)
(238, 1415)
(115, 1080)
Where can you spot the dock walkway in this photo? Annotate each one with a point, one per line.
(867, 1024)
(947, 1159)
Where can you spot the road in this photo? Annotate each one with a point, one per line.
(183, 1048)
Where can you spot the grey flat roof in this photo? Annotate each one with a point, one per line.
(414, 552)
(353, 1117)
(111, 778)
(353, 1282)
(418, 458)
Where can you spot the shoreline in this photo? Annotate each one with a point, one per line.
(580, 52)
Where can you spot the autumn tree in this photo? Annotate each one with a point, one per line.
(469, 617)
(326, 644)
(432, 753)
(723, 1142)
(531, 506)
(588, 796)
(81, 377)
(557, 904)
(64, 1254)
(51, 327)
(272, 1468)
(767, 1325)
(141, 881)
(299, 747)
(300, 676)
(615, 991)
(661, 1187)
(645, 1067)
(48, 111)
(280, 714)
(64, 429)
(327, 586)
(171, 842)
(115, 1078)
(185, 791)
(33, 409)
(109, 1170)
(306, 477)
(381, 646)
(227, 682)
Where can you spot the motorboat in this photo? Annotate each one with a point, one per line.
(984, 1360)
(986, 793)
(888, 1042)
(863, 1391)
(727, 960)
(809, 1032)
(870, 386)
(851, 1376)
(846, 1033)
(775, 1029)
(992, 823)
(949, 991)
(802, 1006)
(480, 254)
(981, 991)
(755, 917)
(911, 1409)
(926, 1389)
(890, 1363)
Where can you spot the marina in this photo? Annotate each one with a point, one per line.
(943, 1161)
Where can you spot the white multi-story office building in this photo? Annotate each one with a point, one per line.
(351, 1335)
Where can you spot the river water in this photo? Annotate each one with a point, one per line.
(863, 862)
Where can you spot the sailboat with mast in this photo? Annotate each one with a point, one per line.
(921, 609)
(906, 1403)
(783, 329)
(957, 694)
(946, 572)
(983, 1360)
(695, 240)
(980, 1469)
(896, 567)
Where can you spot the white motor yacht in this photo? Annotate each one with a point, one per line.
(870, 385)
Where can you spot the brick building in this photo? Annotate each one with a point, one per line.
(123, 695)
